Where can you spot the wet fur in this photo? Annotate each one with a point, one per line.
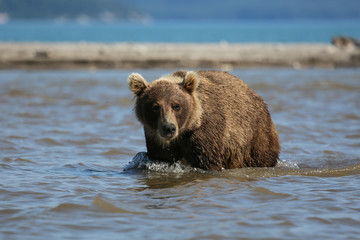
(226, 124)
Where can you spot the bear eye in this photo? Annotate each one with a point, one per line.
(156, 108)
(176, 107)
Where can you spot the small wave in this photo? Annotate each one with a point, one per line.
(142, 161)
(89, 170)
(18, 160)
(18, 93)
(334, 172)
(98, 204)
(86, 141)
(48, 141)
(114, 151)
(327, 84)
(68, 207)
(29, 115)
(16, 137)
(269, 193)
(106, 205)
(84, 102)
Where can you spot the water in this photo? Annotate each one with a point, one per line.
(67, 136)
(245, 31)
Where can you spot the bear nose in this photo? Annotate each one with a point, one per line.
(170, 128)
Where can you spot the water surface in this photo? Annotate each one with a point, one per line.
(67, 136)
(239, 31)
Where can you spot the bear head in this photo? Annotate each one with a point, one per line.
(167, 107)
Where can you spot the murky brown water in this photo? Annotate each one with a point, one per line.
(66, 137)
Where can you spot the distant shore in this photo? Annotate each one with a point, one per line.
(223, 56)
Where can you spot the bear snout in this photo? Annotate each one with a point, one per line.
(169, 130)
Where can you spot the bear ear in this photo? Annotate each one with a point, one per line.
(137, 83)
(191, 81)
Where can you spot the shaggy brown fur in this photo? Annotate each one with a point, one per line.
(211, 119)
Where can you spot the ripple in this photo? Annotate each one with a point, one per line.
(124, 101)
(347, 221)
(48, 142)
(6, 166)
(351, 116)
(9, 211)
(330, 85)
(65, 143)
(107, 206)
(320, 220)
(6, 145)
(337, 172)
(15, 137)
(353, 136)
(116, 151)
(81, 169)
(87, 141)
(18, 160)
(68, 207)
(56, 131)
(29, 115)
(84, 102)
(18, 93)
(268, 192)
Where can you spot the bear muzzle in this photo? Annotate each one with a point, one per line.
(168, 131)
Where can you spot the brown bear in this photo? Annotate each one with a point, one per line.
(210, 119)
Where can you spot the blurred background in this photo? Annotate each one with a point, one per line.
(178, 21)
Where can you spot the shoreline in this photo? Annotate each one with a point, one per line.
(225, 56)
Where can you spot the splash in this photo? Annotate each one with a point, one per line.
(282, 163)
(142, 161)
(139, 161)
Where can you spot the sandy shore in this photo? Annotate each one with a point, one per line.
(137, 55)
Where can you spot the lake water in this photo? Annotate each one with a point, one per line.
(67, 136)
(283, 31)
